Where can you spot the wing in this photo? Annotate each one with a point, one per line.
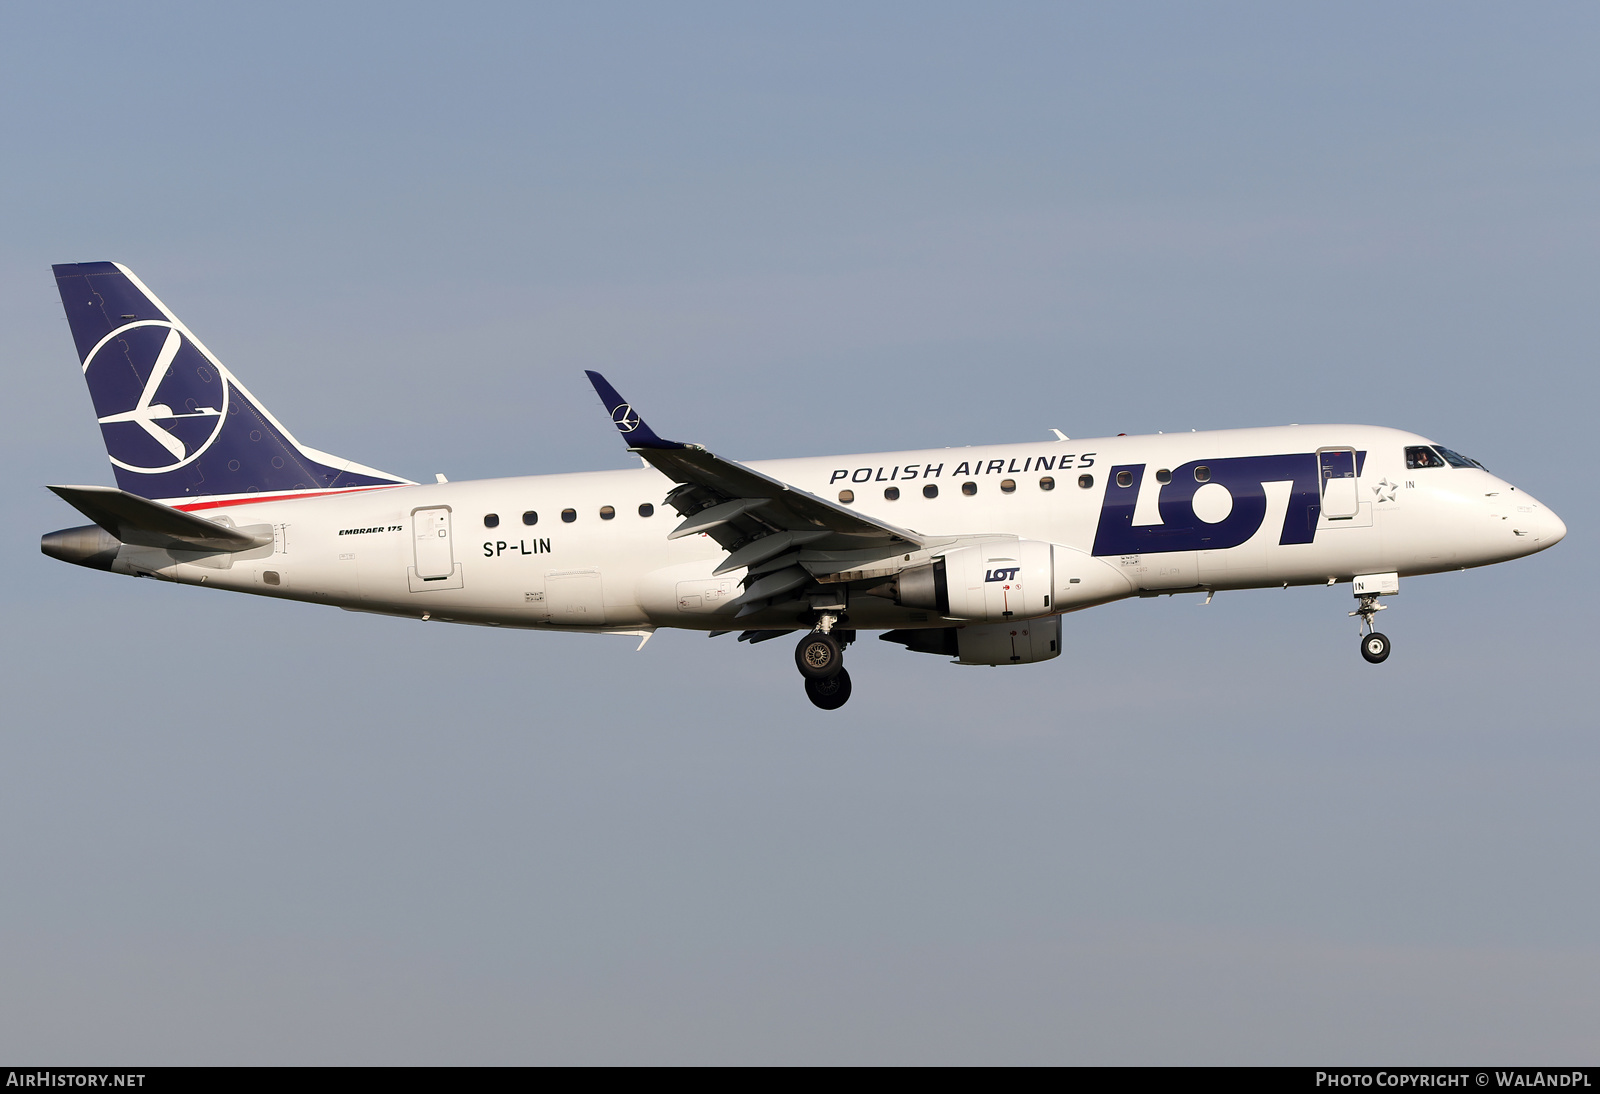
(786, 538)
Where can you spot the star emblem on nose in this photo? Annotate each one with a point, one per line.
(1385, 490)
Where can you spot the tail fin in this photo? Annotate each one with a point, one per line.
(177, 424)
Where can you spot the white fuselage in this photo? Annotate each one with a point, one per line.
(380, 549)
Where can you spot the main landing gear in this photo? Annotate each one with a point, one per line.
(830, 693)
(820, 658)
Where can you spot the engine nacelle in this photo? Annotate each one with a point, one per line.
(1020, 643)
(1002, 579)
(997, 579)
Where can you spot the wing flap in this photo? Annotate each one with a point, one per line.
(759, 551)
(707, 519)
(771, 585)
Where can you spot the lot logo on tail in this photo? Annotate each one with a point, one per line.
(161, 403)
(625, 418)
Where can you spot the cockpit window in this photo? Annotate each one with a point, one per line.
(1456, 459)
(1420, 456)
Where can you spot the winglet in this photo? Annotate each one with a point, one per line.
(625, 418)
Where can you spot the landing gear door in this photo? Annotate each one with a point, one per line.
(1337, 470)
(430, 530)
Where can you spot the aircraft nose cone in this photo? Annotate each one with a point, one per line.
(1554, 530)
(1540, 528)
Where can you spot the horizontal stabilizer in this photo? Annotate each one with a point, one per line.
(146, 523)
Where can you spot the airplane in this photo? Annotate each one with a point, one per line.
(971, 553)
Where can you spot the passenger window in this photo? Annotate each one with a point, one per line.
(1124, 478)
(607, 512)
(1047, 483)
(569, 515)
(1086, 481)
(530, 518)
(1164, 476)
(847, 496)
(647, 510)
(1421, 456)
(1202, 474)
(969, 488)
(1008, 486)
(930, 491)
(891, 493)
(491, 520)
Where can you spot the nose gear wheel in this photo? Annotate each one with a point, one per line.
(1374, 646)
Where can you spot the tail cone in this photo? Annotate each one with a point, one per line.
(90, 546)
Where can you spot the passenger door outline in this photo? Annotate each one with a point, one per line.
(1336, 477)
(433, 565)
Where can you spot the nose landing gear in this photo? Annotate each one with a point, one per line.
(1368, 587)
(820, 659)
(1375, 648)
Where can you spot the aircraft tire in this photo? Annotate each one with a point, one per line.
(819, 656)
(1375, 648)
(830, 693)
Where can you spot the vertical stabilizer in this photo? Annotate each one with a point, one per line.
(177, 424)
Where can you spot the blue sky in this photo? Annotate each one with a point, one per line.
(242, 831)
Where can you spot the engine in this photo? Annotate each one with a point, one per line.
(1002, 579)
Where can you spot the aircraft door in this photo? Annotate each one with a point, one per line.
(1337, 470)
(430, 529)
